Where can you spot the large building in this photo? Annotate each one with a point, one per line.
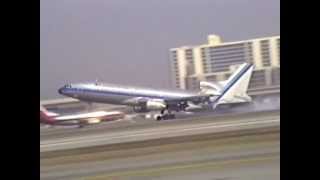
(216, 60)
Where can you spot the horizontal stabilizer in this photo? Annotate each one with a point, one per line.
(210, 88)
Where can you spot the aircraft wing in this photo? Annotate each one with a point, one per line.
(194, 99)
(183, 103)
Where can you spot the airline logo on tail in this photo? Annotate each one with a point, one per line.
(234, 90)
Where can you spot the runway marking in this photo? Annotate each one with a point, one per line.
(157, 132)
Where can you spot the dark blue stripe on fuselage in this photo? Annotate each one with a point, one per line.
(232, 82)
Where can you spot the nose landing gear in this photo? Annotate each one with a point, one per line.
(165, 116)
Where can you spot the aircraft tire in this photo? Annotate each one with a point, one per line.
(158, 117)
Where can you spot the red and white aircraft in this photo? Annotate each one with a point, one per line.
(80, 119)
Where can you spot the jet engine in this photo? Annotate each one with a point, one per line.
(155, 104)
(93, 121)
(141, 108)
(150, 105)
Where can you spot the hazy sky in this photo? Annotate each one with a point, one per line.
(127, 41)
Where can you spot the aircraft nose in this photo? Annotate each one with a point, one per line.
(60, 91)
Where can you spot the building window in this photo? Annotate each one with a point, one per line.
(222, 57)
(190, 61)
(265, 53)
(212, 78)
(249, 56)
(258, 79)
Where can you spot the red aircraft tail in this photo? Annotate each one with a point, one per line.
(44, 118)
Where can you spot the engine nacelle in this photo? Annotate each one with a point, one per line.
(149, 105)
(140, 108)
(155, 104)
(93, 121)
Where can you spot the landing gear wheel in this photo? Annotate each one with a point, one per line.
(158, 117)
(165, 117)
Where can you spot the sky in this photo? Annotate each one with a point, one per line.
(128, 42)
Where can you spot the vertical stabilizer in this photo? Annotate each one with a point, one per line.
(44, 117)
(235, 88)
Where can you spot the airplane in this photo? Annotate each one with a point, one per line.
(211, 94)
(80, 119)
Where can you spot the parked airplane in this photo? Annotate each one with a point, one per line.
(81, 119)
(233, 90)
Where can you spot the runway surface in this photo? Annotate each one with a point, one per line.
(135, 121)
(238, 146)
(142, 129)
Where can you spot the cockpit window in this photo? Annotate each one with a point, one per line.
(67, 86)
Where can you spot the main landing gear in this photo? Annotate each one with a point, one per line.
(165, 116)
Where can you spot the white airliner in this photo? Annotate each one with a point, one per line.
(233, 90)
(80, 120)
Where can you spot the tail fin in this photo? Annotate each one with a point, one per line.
(235, 88)
(44, 117)
(216, 88)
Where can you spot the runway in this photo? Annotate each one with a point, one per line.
(138, 122)
(238, 146)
